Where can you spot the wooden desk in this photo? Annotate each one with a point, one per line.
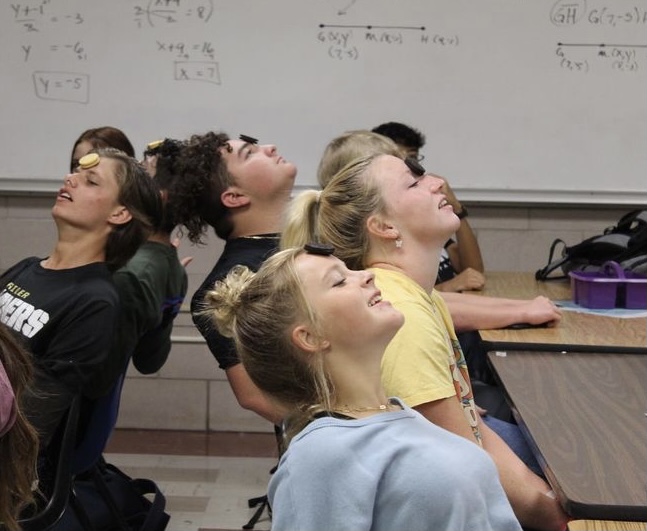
(575, 332)
(585, 415)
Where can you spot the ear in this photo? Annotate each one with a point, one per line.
(304, 339)
(381, 228)
(120, 216)
(233, 198)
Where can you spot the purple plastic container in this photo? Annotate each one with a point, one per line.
(610, 287)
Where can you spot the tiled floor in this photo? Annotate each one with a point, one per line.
(207, 478)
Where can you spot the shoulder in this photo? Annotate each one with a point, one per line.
(150, 265)
(250, 253)
(398, 287)
(18, 267)
(87, 287)
(326, 441)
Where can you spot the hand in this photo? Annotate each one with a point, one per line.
(466, 280)
(175, 242)
(541, 310)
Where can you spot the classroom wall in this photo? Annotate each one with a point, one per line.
(191, 392)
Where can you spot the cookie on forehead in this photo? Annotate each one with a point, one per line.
(322, 249)
(154, 144)
(89, 161)
(415, 167)
(248, 139)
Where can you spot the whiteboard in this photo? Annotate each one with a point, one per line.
(520, 100)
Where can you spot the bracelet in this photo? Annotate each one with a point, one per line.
(463, 213)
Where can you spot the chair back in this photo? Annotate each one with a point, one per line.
(58, 457)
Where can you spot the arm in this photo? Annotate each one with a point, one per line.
(467, 280)
(466, 252)
(140, 311)
(522, 487)
(167, 282)
(247, 394)
(476, 312)
(526, 491)
(251, 397)
(74, 359)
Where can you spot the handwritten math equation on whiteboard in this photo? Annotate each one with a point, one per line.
(190, 60)
(620, 54)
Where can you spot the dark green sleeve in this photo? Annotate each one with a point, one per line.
(139, 312)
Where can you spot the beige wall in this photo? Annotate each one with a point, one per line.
(191, 392)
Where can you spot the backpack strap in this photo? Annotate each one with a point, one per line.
(631, 223)
(156, 517)
(553, 264)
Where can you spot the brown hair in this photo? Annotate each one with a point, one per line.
(140, 195)
(19, 446)
(103, 137)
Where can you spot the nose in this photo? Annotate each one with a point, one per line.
(269, 149)
(435, 183)
(70, 180)
(368, 277)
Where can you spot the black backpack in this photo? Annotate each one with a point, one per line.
(625, 243)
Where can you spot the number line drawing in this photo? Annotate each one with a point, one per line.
(603, 45)
(371, 27)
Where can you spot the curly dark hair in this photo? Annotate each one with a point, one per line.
(401, 134)
(195, 194)
(166, 175)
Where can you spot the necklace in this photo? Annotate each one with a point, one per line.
(258, 237)
(348, 409)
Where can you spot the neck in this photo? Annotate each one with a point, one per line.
(160, 237)
(78, 251)
(259, 220)
(421, 265)
(358, 382)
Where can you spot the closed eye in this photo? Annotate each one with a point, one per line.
(340, 283)
(248, 152)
